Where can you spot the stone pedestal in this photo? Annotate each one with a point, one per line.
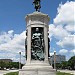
(34, 66)
(37, 70)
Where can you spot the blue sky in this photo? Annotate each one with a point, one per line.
(13, 26)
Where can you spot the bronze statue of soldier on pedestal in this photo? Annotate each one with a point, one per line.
(37, 5)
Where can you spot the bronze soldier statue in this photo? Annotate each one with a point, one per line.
(37, 4)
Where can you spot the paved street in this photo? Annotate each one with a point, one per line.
(4, 72)
(68, 71)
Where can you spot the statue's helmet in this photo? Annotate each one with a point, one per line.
(37, 29)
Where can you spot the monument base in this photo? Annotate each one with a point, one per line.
(41, 69)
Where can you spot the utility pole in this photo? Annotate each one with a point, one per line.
(20, 61)
(54, 59)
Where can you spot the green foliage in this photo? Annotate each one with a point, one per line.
(64, 64)
(71, 62)
(58, 65)
(12, 73)
(60, 73)
(9, 65)
(2, 65)
(14, 64)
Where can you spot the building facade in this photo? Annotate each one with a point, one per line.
(6, 60)
(59, 59)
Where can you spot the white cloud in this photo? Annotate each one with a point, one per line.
(51, 30)
(73, 51)
(67, 42)
(65, 13)
(7, 55)
(64, 25)
(57, 31)
(17, 59)
(63, 51)
(10, 32)
(6, 37)
(67, 53)
(70, 27)
(51, 54)
(11, 44)
(63, 29)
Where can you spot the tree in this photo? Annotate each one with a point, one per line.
(58, 65)
(64, 64)
(2, 65)
(71, 63)
(9, 65)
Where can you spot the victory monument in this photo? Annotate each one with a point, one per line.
(37, 44)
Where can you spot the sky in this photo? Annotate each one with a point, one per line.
(13, 26)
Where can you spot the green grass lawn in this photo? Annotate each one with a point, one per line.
(58, 73)
(12, 73)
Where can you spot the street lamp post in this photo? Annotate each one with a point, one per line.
(20, 61)
(54, 59)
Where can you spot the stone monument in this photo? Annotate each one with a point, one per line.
(37, 44)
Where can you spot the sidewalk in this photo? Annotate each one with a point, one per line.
(68, 71)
